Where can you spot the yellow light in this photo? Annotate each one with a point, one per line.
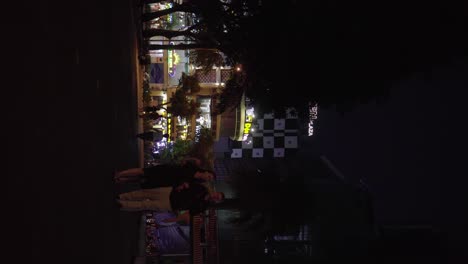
(176, 58)
(247, 127)
(238, 69)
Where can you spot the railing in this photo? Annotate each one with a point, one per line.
(195, 234)
(204, 237)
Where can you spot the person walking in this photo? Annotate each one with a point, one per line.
(151, 112)
(154, 135)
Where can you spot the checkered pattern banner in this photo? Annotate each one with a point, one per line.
(225, 75)
(271, 138)
(209, 77)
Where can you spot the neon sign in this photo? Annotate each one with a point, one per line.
(249, 116)
(169, 130)
(313, 111)
(172, 60)
(247, 127)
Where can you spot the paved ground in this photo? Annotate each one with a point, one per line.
(403, 149)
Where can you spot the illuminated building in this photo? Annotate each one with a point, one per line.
(165, 72)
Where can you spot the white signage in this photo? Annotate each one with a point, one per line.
(313, 111)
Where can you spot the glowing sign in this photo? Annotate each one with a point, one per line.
(158, 6)
(313, 111)
(169, 130)
(197, 132)
(172, 60)
(247, 127)
(249, 116)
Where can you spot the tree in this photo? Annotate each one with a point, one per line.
(176, 152)
(215, 25)
(181, 106)
(207, 59)
(189, 84)
(351, 58)
(335, 55)
(180, 103)
(185, 7)
(201, 147)
(232, 93)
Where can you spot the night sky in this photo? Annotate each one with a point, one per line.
(70, 116)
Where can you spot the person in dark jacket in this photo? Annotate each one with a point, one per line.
(151, 112)
(188, 196)
(153, 135)
(165, 175)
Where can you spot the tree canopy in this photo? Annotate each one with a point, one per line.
(180, 103)
(331, 52)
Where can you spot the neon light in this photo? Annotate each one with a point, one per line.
(176, 58)
(169, 130)
(249, 116)
(172, 60)
(313, 114)
(247, 128)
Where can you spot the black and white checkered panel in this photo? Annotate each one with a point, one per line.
(261, 153)
(272, 138)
